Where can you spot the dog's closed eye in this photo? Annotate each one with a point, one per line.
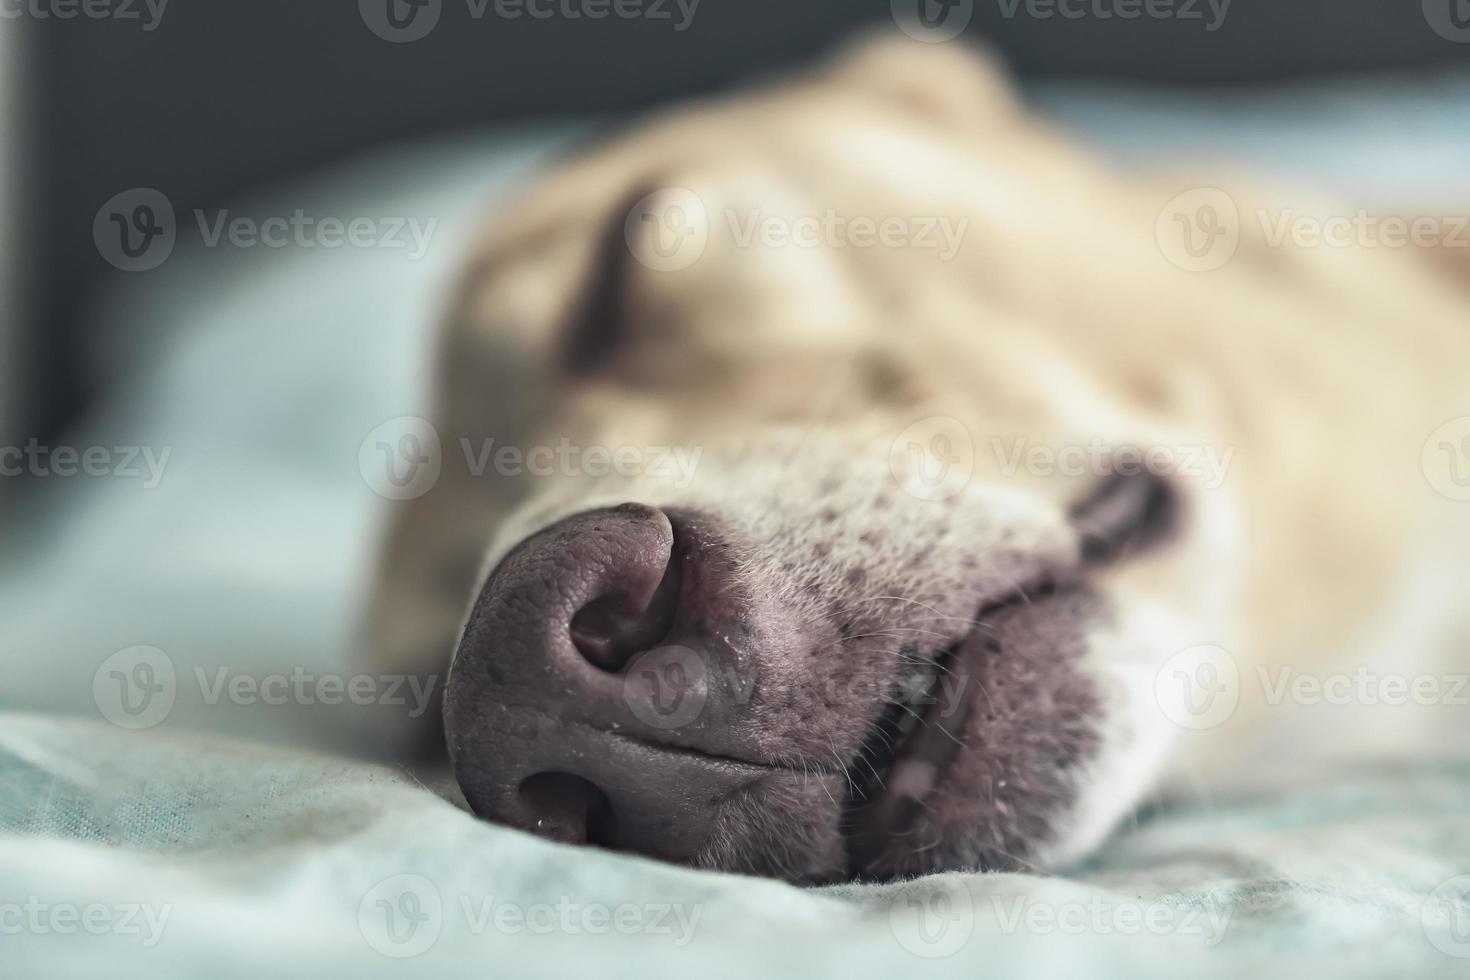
(599, 319)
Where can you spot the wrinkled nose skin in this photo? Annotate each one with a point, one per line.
(590, 697)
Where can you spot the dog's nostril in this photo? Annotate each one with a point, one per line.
(595, 628)
(567, 808)
(611, 629)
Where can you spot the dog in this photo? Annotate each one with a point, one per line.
(859, 481)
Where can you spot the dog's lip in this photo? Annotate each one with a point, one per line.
(754, 767)
(918, 763)
(884, 803)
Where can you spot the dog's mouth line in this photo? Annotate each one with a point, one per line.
(889, 735)
(911, 744)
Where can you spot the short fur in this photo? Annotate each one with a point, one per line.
(1059, 321)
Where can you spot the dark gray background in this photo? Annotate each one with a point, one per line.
(222, 96)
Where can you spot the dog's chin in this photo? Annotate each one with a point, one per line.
(1036, 736)
(968, 765)
(1019, 748)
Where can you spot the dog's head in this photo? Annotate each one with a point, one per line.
(816, 566)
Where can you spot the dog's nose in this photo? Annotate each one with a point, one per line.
(569, 709)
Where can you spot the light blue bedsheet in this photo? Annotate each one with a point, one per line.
(262, 850)
(212, 858)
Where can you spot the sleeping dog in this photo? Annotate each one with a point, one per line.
(851, 479)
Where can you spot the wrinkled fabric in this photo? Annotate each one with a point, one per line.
(224, 858)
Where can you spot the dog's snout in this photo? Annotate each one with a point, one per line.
(555, 721)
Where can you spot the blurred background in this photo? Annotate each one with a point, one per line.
(226, 377)
(206, 101)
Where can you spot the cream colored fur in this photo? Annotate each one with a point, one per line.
(1319, 373)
